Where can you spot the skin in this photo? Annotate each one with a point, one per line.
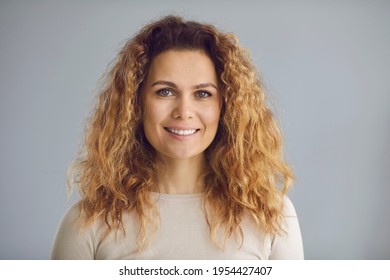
(181, 96)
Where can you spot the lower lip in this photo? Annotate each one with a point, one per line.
(182, 137)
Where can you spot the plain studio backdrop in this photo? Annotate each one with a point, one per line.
(326, 65)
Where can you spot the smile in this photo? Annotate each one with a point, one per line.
(185, 132)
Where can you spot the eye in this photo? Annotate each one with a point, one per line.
(164, 92)
(203, 94)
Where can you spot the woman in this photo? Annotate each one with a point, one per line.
(183, 159)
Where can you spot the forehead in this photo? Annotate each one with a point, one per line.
(183, 66)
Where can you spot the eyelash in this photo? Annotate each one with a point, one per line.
(162, 93)
(203, 91)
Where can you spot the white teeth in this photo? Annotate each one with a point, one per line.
(182, 132)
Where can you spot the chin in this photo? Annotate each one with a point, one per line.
(183, 156)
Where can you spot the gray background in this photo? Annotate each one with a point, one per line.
(326, 64)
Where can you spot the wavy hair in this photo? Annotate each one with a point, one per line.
(246, 175)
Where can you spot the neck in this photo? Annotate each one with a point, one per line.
(180, 176)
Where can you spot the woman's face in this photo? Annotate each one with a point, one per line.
(181, 103)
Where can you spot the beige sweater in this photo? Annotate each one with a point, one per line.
(183, 233)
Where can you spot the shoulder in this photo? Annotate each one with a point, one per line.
(288, 243)
(288, 208)
(72, 214)
(71, 241)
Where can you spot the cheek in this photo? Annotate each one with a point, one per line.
(148, 120)
(211, 116)
(152, 114)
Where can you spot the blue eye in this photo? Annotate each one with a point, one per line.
(203, 94)
(164, 92)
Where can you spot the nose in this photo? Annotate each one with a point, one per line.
(184, 108)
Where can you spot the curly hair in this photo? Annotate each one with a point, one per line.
(246, 174)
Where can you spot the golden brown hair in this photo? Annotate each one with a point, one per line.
(246, 171)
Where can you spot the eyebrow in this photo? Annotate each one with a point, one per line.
(171, 84)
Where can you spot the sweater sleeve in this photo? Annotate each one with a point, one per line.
(288, 245)
(71, 243)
